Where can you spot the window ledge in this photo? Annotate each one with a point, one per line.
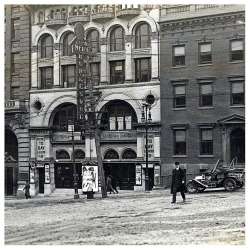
(175, 109)
(180, 156)
(205, 64)
(206, 107)
(236, 62)
(178, 67)
(237, 106)
(206, 156)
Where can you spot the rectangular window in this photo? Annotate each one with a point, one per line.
(142, 70)
(15, 11)
(237, 50)
(206, 95)
(206, 141)
(95, 72)
(14, 93)
(205, 53)
(180, 142)
(15, 63)
(180, 96)
(46, 77)
(237, 93)
(15, 32)
(178, 56)
(69, 76)
(117, 72)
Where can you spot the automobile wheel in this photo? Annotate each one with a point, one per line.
(241, 185)
(230, 184)
(192, 187)
(200, 189)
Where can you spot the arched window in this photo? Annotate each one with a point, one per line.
(64, 116)
(47, 46)
(117, 39)
(62, 154)
(66, 47)
(129, 154)
(111, 154)
(93, 40)
(142, 36)
(119, 116)
(79, 154)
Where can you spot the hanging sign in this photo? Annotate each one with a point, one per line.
(47, 173)
(90, 178)
(138, 175)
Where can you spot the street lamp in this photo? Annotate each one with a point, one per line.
(71, 129)
(146, 118)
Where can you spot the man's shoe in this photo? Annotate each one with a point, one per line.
(172, 201)
(184, 200)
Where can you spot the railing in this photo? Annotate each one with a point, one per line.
(57, 16)
(199, 7)
(103, 9)
(15, 104)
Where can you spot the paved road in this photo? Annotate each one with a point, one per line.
(134, 218)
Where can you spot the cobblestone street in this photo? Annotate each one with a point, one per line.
(135, 218)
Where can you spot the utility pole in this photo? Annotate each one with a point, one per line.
(87, 118)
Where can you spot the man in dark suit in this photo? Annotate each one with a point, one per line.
(178, 182)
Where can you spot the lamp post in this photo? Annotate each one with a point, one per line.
(146, 118)
(71, 128)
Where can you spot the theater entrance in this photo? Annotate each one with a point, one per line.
(124, 174)
(64, 175)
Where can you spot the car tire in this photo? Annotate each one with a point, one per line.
(192, 187)
(230, 184)
(200, 189)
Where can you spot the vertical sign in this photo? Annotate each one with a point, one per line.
(150, 147)
(40, 149)
(32, 175)
(47, 173)
(157, 174)
(138, 175)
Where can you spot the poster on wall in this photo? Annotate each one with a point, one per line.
(40, 150)
(90, 178)
(32, 175)
(157, 175)
(150, 147)
(47, 173)
(138, 175)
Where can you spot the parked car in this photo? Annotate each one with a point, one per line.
(215, 177)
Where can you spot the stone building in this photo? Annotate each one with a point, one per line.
(126, 71)
(202, 85)
(17, 85)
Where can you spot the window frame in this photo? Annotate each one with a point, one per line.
(138, 72)
(179, 96)
(113, 39)
(231, 51)
(201, 62)
(66, 47)
(65, 76)
(44, 47)
(112, 68)
(204, 142)
(138, 37)
(15, 32)
(174, 142)
(203, 95)
(231, 93)
(44, 84)
(174, 57)
(91, 41)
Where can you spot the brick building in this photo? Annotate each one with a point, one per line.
(202, 72)
(17, 85)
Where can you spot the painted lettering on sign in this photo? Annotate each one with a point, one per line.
(40, 150)
(150, 147)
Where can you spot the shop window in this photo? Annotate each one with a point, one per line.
(62, 154)
(94, 40)
(129, 154)
(143, 70)
(205, 53)
(206, 95)
(142, 36)
(69, 76)
(47, 47)
(206, 141)
(111, 154)
(66, 44)
(179, 96)
(178, 56)
(237, 50)
(179, 142)
(237, 93)
(117, 72)
(117, 39)
(46, 77)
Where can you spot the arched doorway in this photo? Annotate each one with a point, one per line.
(11, 162)
(237, 145)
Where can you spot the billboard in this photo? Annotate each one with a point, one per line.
(89, 178)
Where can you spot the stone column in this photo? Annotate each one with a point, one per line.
(128, 59)
(155, 57)
(104, 69)
(34, 68)
(56, 69)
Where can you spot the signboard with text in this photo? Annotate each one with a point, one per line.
(138, 175)
(40, 149)
(150, 147)
(89, 178)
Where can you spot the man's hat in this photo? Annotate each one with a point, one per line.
(177, 163)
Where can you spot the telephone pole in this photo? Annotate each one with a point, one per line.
(87, 118)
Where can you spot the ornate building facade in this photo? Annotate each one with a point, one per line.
(202, 84)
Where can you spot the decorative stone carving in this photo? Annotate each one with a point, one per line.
(104, 41)
(128, 38)
(154, 35)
